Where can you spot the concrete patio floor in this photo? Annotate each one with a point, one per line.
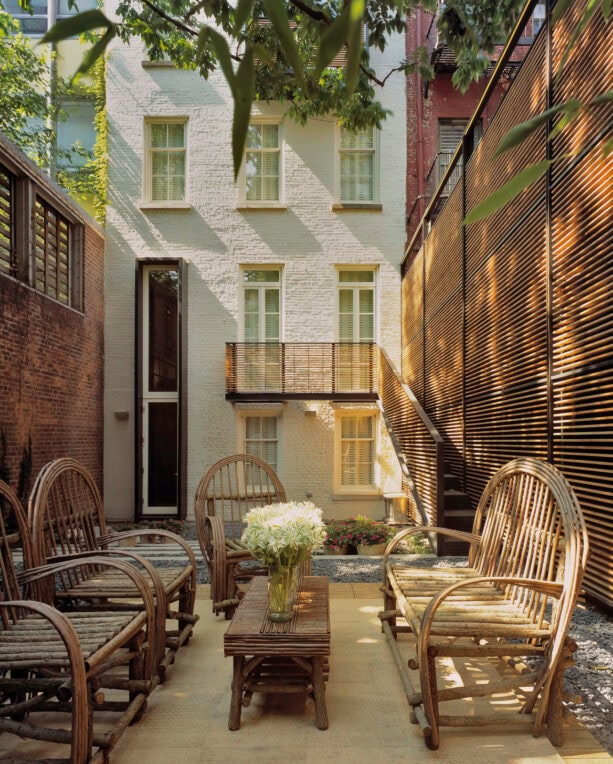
(187, 718)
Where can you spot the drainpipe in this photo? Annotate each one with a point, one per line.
(419, 132)
(52, 92)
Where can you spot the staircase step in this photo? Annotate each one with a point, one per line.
(452, 482)
(458, 520)
(456, 500)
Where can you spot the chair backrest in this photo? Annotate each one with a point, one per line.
(14, 534)
(65, 511)
(532, 527)
(233, 486)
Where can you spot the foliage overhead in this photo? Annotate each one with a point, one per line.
(28, 116)
(282, 50)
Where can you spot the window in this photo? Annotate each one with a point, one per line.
(358, 165)
(262, 171)
(261, 308)
(356, 329)
(52, 252)
(165, 160)
(48, 254)
(261, 438)
(450, 133)
(7, 226)
(76, 126)
(44, 14)
(355, 451)
(539, 15)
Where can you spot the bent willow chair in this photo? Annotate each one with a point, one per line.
(228, 490)
(528, 550)
(54, 667)
(67, 521)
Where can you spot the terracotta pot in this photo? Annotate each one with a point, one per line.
(340, 550)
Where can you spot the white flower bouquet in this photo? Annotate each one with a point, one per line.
(284, 534)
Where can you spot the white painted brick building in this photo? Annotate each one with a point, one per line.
(206, 236)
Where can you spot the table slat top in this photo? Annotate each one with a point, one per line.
(251, 632)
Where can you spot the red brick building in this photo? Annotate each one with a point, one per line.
(437, 113)
(51, 325)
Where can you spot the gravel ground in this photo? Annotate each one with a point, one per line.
(590, 681)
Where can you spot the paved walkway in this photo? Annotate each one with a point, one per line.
(187, 718)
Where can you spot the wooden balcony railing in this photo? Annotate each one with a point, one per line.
(301, 370)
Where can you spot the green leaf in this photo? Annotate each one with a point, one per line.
(560, 9)
(243, 98)
(332, 40)
(606, 9)
(76, 25)
(603, 98)
(222, 52)
(509, 191)
(607, 148)
(520, 132)
(243, 9)
(95, 52)
(275, 10)
(354, 44)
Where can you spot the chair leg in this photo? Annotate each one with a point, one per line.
(427, 670)
(554, 713)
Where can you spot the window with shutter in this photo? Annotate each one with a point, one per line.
(261, 438)
(165, 159)
(262, 167)
(356, 328)
(52, 243)
(7, 223)
(356, 449)
(358, 165)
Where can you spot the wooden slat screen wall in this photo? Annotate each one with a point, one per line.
(7, 262)
(582, 200)
(534, 284)
(443, 331)
(413, 326)
(415, 441)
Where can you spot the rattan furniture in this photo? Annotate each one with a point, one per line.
(67, 520)
(514, 600)
(55, 667)
(228, 490)
(274, 657)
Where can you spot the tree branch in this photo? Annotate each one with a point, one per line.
(311, 12)
(171, 19)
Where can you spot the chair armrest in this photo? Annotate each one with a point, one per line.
(109, 538)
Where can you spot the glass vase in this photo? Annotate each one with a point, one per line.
(283, 582)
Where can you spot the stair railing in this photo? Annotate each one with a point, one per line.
(418, 444)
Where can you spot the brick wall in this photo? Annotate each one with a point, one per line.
(51, 361)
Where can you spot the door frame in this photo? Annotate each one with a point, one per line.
(140, 429)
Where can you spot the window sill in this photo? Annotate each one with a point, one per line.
(164, 206)
(162, 64)
(353, 206)
(249, 206)
(363, 496)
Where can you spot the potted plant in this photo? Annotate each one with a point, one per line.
(339, 537)
(371, 536)
(281, 536)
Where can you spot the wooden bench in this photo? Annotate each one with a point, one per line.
(514, 600)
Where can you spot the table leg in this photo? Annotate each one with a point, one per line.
(319, 694)
(234, 722)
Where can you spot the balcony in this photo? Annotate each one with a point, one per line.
(266, 371)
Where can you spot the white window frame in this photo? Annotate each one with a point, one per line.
(373, 285)
(266, 410)
(279, 203)
(366, 490)
(376, 151)
(260, 284)
(148, 201)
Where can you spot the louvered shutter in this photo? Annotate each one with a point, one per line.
(6, 222)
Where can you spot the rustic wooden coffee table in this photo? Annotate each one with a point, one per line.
(280, 657)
